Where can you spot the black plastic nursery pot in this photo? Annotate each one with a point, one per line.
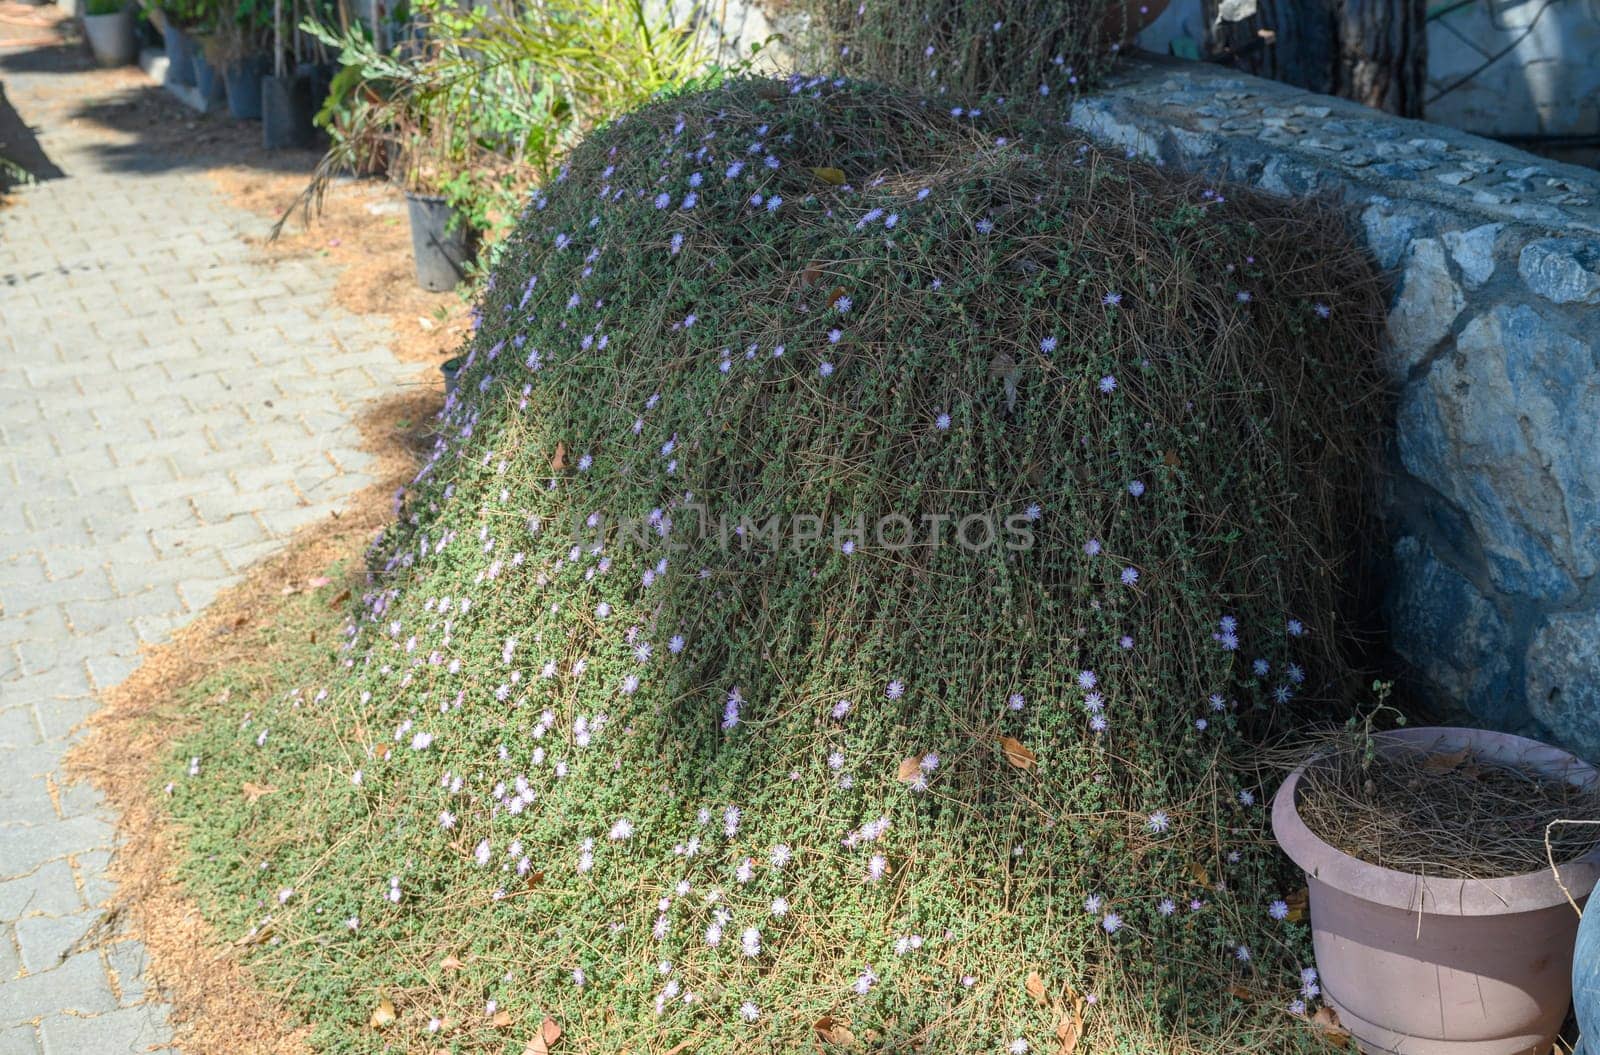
(320, 77)
(180, 55)
(207, 82)
(286, 112)
(242, 78)
(442, 250)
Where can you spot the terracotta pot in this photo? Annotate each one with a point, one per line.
(1427, 966)
(1125, 18)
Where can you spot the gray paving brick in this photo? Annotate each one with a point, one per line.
(18, 728)
(78, 986)
(45, 941)
(170, 409)
(25, 798)
(94, 887)
(126, 1031)
(48, 890)
(127, 960)
(26, 847)
(59, 717)
(10, 963)
(19, 1040)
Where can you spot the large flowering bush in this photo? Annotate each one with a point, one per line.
(864, 542)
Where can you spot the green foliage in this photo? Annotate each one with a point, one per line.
(12, 174)
(971, 48)
(901, 314)
(187, 13)
(485, 101)
(106, 7)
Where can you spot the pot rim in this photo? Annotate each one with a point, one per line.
(1439, 895)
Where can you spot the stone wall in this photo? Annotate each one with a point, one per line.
(1544, 82)
(1494, 499)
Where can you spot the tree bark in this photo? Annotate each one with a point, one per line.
(1372, 51)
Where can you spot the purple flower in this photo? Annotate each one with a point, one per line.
(1108, 384)
(1130, 576)
(895, 690)
(1112, 299)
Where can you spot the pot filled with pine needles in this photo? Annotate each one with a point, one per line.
(1443, 886)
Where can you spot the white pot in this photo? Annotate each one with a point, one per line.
(111, 38)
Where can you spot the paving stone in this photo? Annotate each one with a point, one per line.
(45, 941)
(59, 718)
(25, 800)
(126, 1031)
(149, 472)
(19, 1040)
(128, 960)
(18, 728)
(10, 960)
(91, 873)
(26, 847)
(77, 986)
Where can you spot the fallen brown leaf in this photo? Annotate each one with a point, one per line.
(1017, 753)
(339, 598)
(559, 462)
(831, 1031)
(252, 792)
(545, 1039)
(1444, 762)
(1326, 1022)
(910, 769)
(451, 963)
(1035, 987)
(1069, 1030)
(383, 1015)
(501, 1019)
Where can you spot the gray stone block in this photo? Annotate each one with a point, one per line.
(78, 986)
(125, 1031)
(24, 848)
(19, 1040)
(45, 941)
(1563, 270)
(128, 960)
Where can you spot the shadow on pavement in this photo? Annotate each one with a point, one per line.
(20, 146)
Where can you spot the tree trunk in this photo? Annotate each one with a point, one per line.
(1372, 51)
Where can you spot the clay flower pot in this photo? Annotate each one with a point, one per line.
(1420, 965)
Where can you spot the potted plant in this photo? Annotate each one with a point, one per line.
(207, 79)
(109, 25)
(176, 19)
(237, 49)
(288, 93)
(1439, 927)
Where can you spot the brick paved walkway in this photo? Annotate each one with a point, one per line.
(171, 408)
